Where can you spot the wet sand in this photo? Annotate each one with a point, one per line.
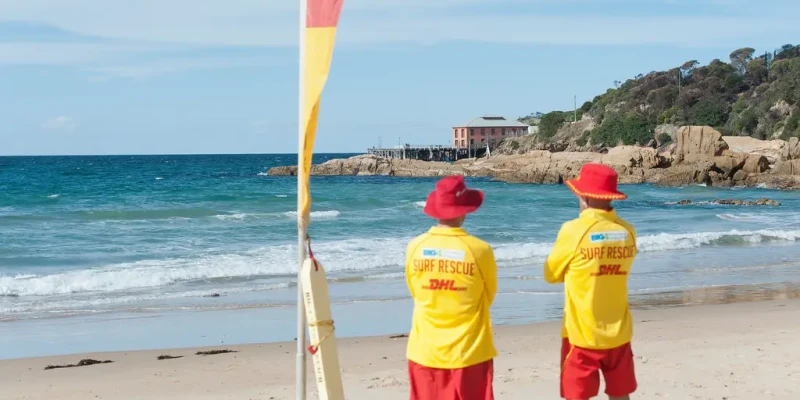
(738, 351)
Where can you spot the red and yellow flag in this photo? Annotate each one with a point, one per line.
(322, 16)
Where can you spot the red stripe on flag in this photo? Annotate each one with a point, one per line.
(323, 13)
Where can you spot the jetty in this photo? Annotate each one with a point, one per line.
(427, 152)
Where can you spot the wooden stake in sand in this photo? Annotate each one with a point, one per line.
(321, 330)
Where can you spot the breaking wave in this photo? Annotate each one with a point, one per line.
(338, 256)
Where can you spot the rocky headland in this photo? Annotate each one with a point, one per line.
(699, 155)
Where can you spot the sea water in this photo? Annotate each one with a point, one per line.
(198, 247)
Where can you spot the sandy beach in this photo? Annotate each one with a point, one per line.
(734, 351)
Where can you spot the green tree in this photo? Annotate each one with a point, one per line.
(787, 51)
(748, 122)
(787, 72)
(551, 123)
(631, 128)
(664, 138)
(709, 111)
(687, 68)
(757, 72)
(740, 58)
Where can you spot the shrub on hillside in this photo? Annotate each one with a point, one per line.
(631, 128)
(551, 123)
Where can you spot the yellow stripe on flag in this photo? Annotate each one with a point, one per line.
(319, 50)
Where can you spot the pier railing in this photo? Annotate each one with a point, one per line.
(427, 152)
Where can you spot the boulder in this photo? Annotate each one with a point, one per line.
(791, 151)
(684, 174)
(698, 143)
(632, 156)
(759, 202)
(787, 167)
(734, 202)
(728, 164)
(774, 181)
(771, 149)
(283, 171)
(755, 164)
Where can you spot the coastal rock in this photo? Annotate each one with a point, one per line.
(683, 174)
(289, 170)
(791, 151)
(789, 164)
(632, 156)
(771, 149)
(719, 179)
(701, 155)
(698, 143)
(773, 181)
(755, 164)
(728, 163)
(373, 165)
(734, 202)
(787, 167)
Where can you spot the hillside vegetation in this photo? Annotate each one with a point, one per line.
(751, 95)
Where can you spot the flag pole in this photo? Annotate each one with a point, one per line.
(302, 228)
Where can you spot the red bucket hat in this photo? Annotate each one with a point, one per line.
(596, 181)
(452, 199)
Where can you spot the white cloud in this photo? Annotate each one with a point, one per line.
(60, 123)
(274, 22)
(130, 30)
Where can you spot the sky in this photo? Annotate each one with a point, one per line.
(188, 76)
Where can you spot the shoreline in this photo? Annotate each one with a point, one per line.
(132, 331)
(734, 351)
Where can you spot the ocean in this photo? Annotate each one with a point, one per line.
(127, 252)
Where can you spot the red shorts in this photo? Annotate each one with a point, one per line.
(470, 383)
(580, 371)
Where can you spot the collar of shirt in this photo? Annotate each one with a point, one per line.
(596, 214)
(438, 230)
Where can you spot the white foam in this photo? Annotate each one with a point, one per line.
(343, 255)
(681, 241)
(262, 174)
(340, 255)
(158, 178)
(514, 254)
(281, 196)
(420, 204)
(736, 217)
(228, 217)
(95, 302)
(54, 196)
(316, 214)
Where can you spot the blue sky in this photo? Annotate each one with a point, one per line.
(186, 76)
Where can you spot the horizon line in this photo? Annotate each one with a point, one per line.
(166, 154)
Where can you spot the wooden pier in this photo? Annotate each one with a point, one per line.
(427, 153)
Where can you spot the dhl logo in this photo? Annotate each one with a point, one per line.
(611, 269)
(443, 284)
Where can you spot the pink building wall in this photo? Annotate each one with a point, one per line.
(482, 136)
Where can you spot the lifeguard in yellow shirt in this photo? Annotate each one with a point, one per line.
(592, 256)
(452, 277)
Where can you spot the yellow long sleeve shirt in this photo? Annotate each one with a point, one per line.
(452, 277)
(592, 256)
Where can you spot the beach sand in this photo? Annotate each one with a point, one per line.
(736, 351)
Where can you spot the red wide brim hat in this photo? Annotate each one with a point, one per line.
(452, 199)
(596, 181)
